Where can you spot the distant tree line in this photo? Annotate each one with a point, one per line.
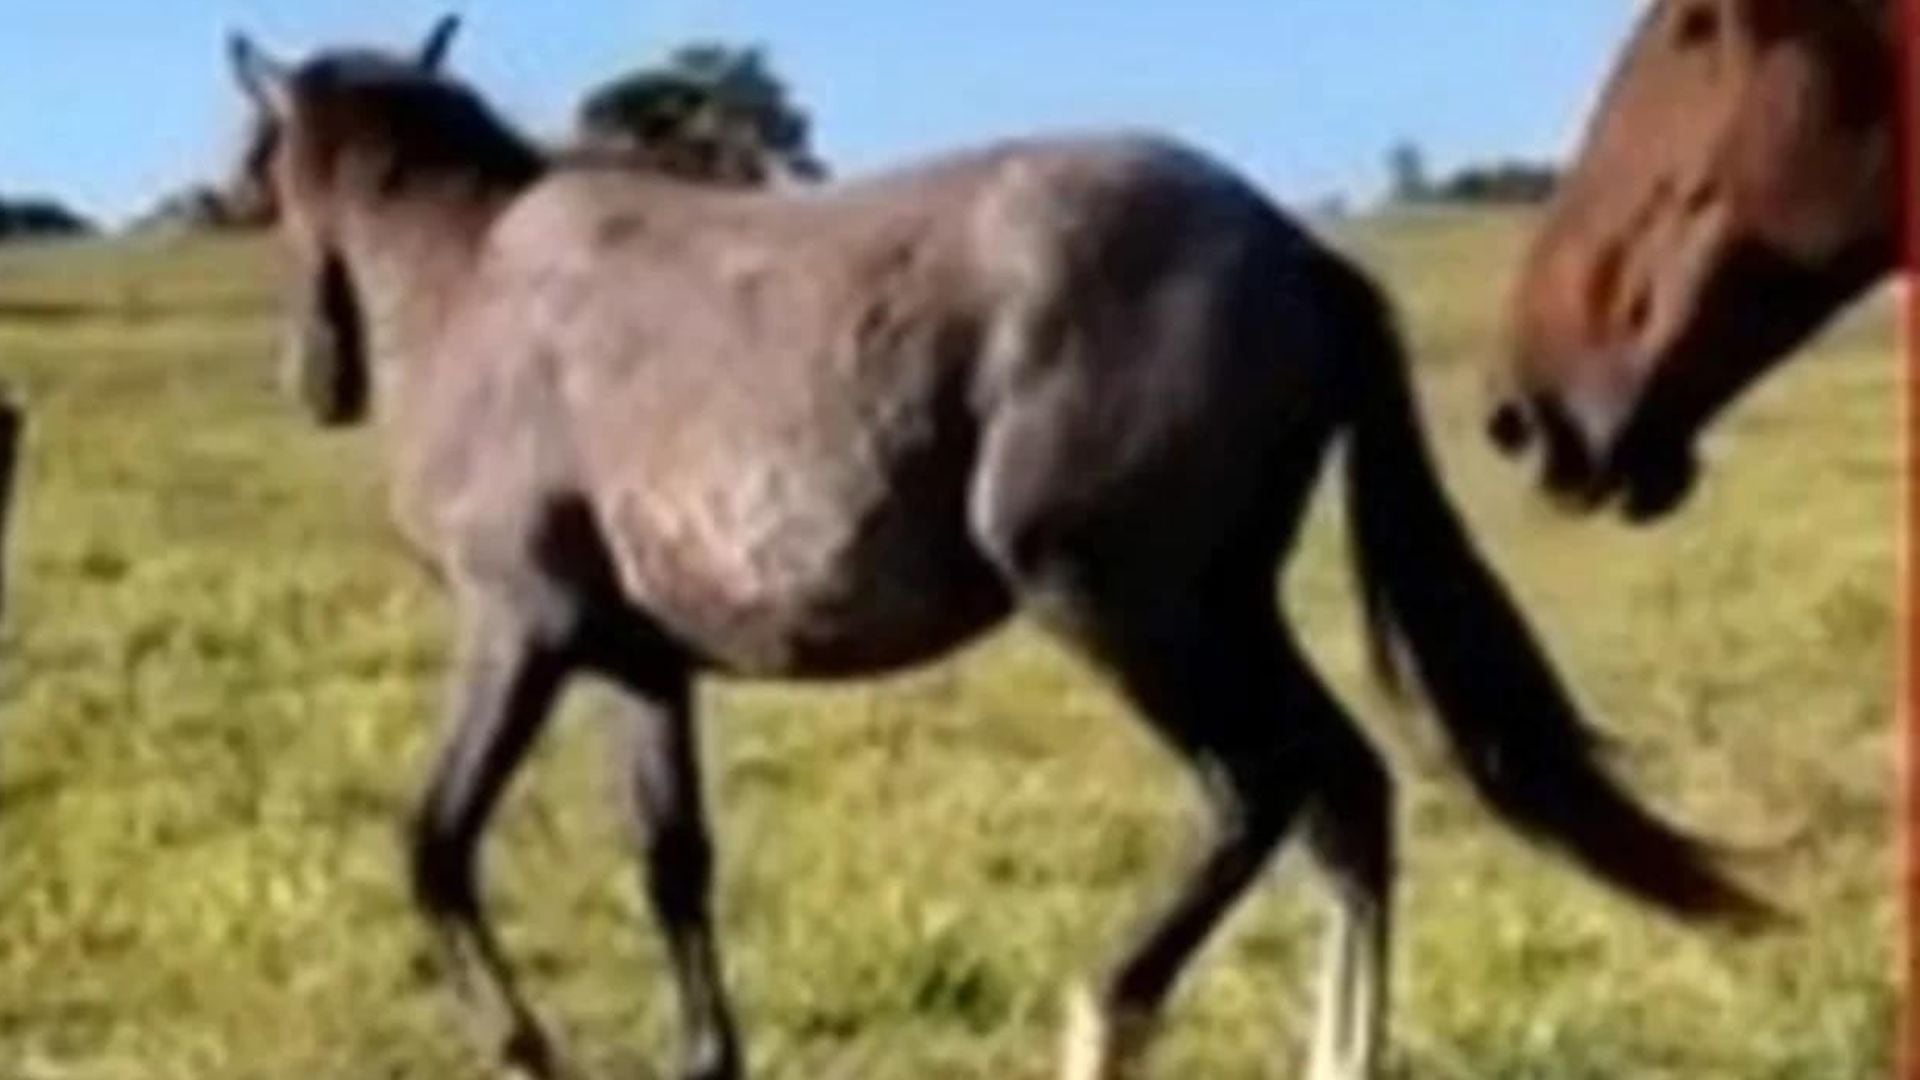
(39, 219)
(200, 208)
(1505, 182)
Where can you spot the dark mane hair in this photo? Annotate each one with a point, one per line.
(369, 111)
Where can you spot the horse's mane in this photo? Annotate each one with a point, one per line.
(392, 116)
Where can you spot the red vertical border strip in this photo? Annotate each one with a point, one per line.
(1906, 118)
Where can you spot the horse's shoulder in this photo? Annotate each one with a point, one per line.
(570, 211)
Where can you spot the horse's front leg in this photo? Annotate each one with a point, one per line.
(667, 808)
(504, 683)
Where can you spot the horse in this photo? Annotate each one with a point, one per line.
(1737, 186)
(652, 432)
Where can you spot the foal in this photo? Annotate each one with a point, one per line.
(650, 431)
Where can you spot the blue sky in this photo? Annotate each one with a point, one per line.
(108, 103)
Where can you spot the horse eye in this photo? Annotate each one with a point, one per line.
(1699, 25)
(1640, 310)
(1703, 196)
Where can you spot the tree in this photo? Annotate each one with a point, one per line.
(711, 112)
(40, 219)
(1407, 172)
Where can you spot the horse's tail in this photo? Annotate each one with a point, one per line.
(1512, 725)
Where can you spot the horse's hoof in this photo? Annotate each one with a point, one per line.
(529, 1053)
(1102, 1044)
(719, 1065)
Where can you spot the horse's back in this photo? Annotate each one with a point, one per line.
(863, 287)
(628, 217)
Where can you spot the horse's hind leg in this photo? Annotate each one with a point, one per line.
(662, 777)
(1210, 682)
(504, 686)
(1232, 693)
(1351, 835)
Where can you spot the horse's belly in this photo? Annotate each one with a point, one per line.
(788, 568)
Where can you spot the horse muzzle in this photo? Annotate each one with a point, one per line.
(1585, 467)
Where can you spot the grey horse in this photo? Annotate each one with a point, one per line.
(654, 432)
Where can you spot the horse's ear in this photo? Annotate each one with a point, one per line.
(433, 53)
(266, 80)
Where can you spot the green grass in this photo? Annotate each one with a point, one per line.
(220, 674)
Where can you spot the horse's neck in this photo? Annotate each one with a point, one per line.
(410, 259)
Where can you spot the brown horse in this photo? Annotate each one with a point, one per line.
(651, 432)
(1737, 188)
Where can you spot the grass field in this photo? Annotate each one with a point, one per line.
(219, 675)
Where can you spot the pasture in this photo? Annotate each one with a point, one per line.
(220, 675)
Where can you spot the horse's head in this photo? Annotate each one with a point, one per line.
(1736, 188)
(302, 158)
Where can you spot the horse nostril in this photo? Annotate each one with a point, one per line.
(1572, 468)
(1509, 429)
